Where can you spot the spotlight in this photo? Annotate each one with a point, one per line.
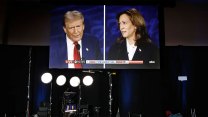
(61, 80)
(87, 80)
(74, 81)
(46, 78)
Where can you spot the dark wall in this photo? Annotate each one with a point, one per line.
(185, 24)
(14, 74)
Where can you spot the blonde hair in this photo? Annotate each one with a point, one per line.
(70, 16)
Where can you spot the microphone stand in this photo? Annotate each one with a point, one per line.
(28, 85)
(50, 100)
(80, 98)
(110, 93)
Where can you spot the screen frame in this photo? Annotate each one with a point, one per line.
(160, 30)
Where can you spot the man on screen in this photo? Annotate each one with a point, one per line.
(134, 44)
(72, 49)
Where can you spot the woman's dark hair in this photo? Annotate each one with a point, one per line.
(137, 20)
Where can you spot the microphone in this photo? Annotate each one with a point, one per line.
(78, 46)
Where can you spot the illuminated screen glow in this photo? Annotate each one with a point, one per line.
(100, 24)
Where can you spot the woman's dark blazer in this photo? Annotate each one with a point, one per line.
(146, 52)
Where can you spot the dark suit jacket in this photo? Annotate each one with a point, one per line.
(58, 51)
(145, 51)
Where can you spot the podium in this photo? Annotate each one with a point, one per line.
(69, 106)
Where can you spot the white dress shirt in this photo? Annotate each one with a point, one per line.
(131, 49)
(70, 51)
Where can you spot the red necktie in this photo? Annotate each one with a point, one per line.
(77, 56)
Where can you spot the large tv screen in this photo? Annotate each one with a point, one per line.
(105, 37)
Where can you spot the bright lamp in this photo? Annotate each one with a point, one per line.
(61, 80)
(46, 78)
(74, 81)
(87, 80)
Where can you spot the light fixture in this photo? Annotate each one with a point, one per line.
(74, 81)
(182, 78)
(61, 80)
(46, 78)
(87, 80)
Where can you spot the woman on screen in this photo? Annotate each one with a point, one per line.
(134, 45)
